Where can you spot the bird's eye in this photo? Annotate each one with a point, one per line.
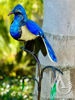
(19, 8)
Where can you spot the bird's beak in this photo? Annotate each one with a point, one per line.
(10, 13)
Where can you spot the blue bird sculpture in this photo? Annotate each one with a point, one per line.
(24, 29)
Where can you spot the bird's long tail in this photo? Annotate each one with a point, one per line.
(50, 51)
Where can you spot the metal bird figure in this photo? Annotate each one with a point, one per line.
(24, 29)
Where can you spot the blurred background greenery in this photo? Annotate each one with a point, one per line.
(14, 63)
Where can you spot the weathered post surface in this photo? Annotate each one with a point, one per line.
(59, 26)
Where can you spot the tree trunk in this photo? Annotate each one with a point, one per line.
(59, 26)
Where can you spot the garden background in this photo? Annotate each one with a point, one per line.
(14, 63)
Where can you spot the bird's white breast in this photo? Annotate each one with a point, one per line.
(26, 34)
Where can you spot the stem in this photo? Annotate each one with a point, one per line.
(32, 53)
(39, 70)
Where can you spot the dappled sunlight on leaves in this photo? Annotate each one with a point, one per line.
(13, 61)
(11, 87)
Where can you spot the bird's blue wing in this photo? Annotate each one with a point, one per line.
(35, 29)
(50, 51)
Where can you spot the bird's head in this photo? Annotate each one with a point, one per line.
(19, 10)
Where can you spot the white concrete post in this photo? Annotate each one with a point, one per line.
(59, 26)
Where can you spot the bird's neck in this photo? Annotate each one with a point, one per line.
(25, 17)
(18, 18)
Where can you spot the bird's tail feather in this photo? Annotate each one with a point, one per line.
(50, 51)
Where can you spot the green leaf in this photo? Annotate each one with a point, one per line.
(22, 86)
(53, 92)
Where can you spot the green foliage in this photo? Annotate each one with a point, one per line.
(11, 89)
(53, 92)
(13, 61)
(10, 54)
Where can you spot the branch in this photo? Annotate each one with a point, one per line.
(31, 78)
(39, 71)
(53, 69)
(32, 53)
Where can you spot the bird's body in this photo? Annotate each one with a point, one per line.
(20, 32)
(26, 34)
(15, 28)
(24, 29)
